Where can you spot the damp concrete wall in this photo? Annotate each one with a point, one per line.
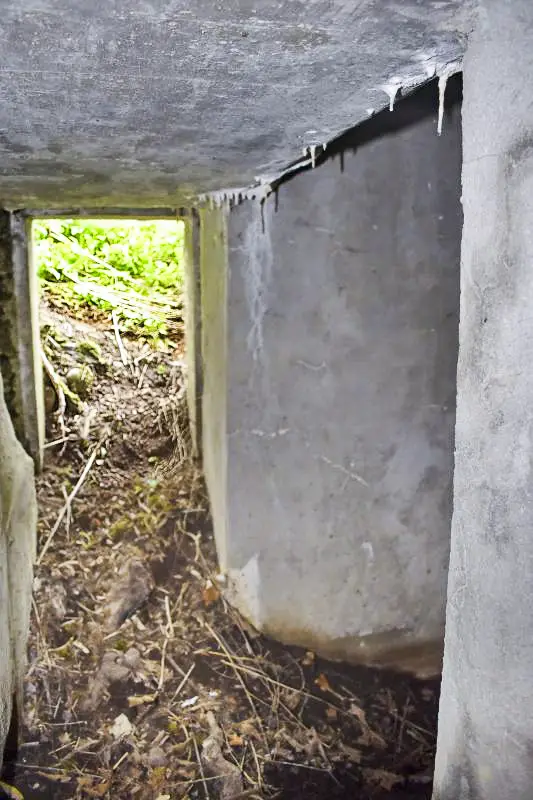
(18, 519)
(329, 348)
(21, 441)
(20, 355)
(485, 741)
(213, 288)
(193, 328)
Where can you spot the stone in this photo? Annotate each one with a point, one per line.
(80, 380)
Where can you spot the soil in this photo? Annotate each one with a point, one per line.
(143, 683)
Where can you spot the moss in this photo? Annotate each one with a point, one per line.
(90, 348)
(73, 401)
(54, 333)
(119, 527)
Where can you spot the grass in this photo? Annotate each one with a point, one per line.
(130, 266)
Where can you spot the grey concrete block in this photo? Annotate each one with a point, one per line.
(330, 344)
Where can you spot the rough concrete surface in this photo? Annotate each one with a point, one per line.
(18, 519)
(152, 101)
(485, 743)
(213, 278)
(193, 327)
(333, 508)
(20, 354)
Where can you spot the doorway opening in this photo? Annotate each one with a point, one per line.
(120, 499)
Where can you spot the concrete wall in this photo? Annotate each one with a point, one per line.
(330, 347)
(213, 277)
(18, 519)
(20, 355)
(193, 329)
(485, 743)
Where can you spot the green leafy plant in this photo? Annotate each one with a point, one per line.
(130, 266)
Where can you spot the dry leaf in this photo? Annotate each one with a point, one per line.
(359, 713)
(323, 683)
(353, 754)
(368, 736)
(234, 740)
(90, 789)
(210, 594)
(380, 777)
(291, 699)
(248, 728)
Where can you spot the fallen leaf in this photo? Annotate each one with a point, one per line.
(291, 699)
(248, 728)
(234, 740)
(353, 754)
(323, 683)
(359, 713)
(368, 736)
(380, 777)
(210, 594)
(91, 788)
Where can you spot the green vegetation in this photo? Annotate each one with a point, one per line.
(132, 267)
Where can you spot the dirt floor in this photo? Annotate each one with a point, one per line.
(142, 681)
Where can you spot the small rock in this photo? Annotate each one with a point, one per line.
(121, 727)
(157, 757)
(131, 590)
(80, 380)
(132, 658)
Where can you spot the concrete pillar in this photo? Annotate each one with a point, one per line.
(330, 344)
(193, 326)
(20, 355)
(214, 278)
(485, 741)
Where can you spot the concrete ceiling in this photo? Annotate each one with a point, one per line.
(148, 103)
